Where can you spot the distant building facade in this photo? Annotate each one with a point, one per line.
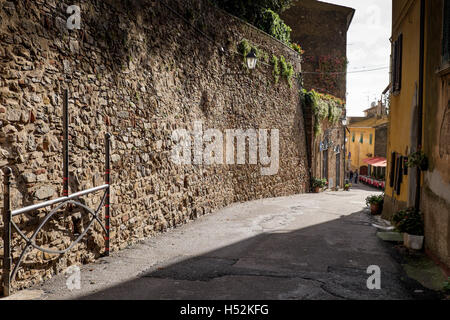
(367, 140)
(321, 30)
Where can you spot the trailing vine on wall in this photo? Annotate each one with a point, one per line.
(281, 67)
(271, 23)
(263, 14)
(276, 68)
(287, 70)
(323, 106)
(245, 47)
(297, 48)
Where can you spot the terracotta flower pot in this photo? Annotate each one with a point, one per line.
(374, 208)
(316, 189)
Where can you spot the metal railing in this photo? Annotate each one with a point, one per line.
(9, 226)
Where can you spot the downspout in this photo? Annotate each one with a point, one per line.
(421, 95)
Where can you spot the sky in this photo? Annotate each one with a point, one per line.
(368, 47)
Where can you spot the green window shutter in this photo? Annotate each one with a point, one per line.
(371, 138)
(353, 137)
(397, 63)
(361, 140)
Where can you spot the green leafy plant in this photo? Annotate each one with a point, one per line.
(263, 14)
(287, 70)
(245, 47)
(317, 182)
(324, 106)
(409, 221)
(375, 199)
(297, 48)
(446, 287)
(271, 23)
(276, 68)
(418, 159)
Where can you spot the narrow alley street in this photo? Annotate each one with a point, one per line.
(309, 246)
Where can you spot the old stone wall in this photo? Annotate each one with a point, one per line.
(139, 70)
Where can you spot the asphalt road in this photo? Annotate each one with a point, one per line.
(308, 246)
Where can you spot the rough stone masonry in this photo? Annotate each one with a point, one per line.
(139, 70)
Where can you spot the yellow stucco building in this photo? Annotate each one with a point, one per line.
(361, 142)
(420, 118)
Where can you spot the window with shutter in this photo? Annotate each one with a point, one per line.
(446, 33)
(397, 64)
(392, 169)
(394, 66)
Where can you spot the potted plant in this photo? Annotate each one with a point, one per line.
(410, 223)
(417, 159)
(317, 184)
(446, 287)
(375, 202)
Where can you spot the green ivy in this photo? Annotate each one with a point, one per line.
(323, 106)
(271, 23)
(263, 14)
(244, 48)
(250, 10)
(287, 70)
(280, 66)
(276, 68)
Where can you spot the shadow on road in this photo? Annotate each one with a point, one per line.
(323, 261)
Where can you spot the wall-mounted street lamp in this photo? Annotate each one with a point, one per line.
(251, 60)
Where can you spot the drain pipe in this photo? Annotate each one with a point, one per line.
(421, 95)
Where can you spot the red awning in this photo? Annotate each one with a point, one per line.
(376, 162)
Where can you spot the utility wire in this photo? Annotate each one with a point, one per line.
(346, 72)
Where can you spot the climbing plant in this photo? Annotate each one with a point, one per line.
(276, 68)
(245, 47)
(323, 106)
(287, 70)
(297, 48)
(281, 67)
(250, 10)
(263, 14)
(271, 23)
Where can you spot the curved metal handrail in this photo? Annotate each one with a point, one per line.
(31, 242)
(9, 224)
